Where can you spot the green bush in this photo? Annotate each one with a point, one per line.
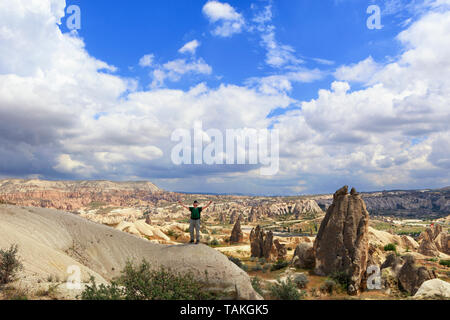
(239, 263)
(256, 284)
(280, 264)
(329, 286)
(390, 247)
(262, 260)
(9, 264)
(236, 261)
(285, 290)
(214, 242)
(342, 278)
(301, 281)
(445, 263)
(257, 267)
(143, 283)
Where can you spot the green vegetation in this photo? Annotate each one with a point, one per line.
(256, 284)
(143, 283)
(280, 264)
(390, 247)
(239, 263)
(329, 286)
(445, 263)
(10, 264)
(214, 243)
(285, 290)
(301, 281)
(341, 278)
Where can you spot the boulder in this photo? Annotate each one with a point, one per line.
(304, 256)
(435, 288)
(411, 277)
(342, 242)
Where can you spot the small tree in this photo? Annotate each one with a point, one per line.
(9, 264)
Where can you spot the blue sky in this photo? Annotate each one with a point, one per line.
(352, 105)
(120, 34)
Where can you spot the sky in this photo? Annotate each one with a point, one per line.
(352, 104)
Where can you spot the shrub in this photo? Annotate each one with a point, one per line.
(285, 290)
(390, 247)
(143, 283)
(342, 278)
(329, 286)
(280, 264)
(257, 267)
(445, 263)
(267, 267)
(9, 264)
(102, 292)
(214, 242)
(262, 260)
(256, 284)
(236, 261)
(301, 281)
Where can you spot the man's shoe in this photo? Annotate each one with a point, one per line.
(192, 241)
(197, 242)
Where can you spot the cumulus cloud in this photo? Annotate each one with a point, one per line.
(147, 60)
(226, 19)
(362, 71)
(175, 69)
(190, 47)
(65, 114)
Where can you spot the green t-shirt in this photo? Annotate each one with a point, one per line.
(195, 212)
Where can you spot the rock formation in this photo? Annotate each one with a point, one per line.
(434, 240)
(411, 277)
(75, 195)
(50, 241)
(427, 246)
(261, 243)
(342, 241)
(234, 217)
(304, 256)
(222, 217)
(252, 216)
(280, 250)
(236, 234)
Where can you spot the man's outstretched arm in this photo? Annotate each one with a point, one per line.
(207, 205)
(183, 205)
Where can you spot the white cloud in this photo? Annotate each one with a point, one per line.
(227, 20)
(278, 55)
(190, 47)
(362, 71)
(147, 60)
(175, 69)
(62, 114)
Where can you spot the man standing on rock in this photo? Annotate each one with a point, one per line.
(195, 219)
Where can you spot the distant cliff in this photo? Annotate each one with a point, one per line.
(407, 204)
(73, 195)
